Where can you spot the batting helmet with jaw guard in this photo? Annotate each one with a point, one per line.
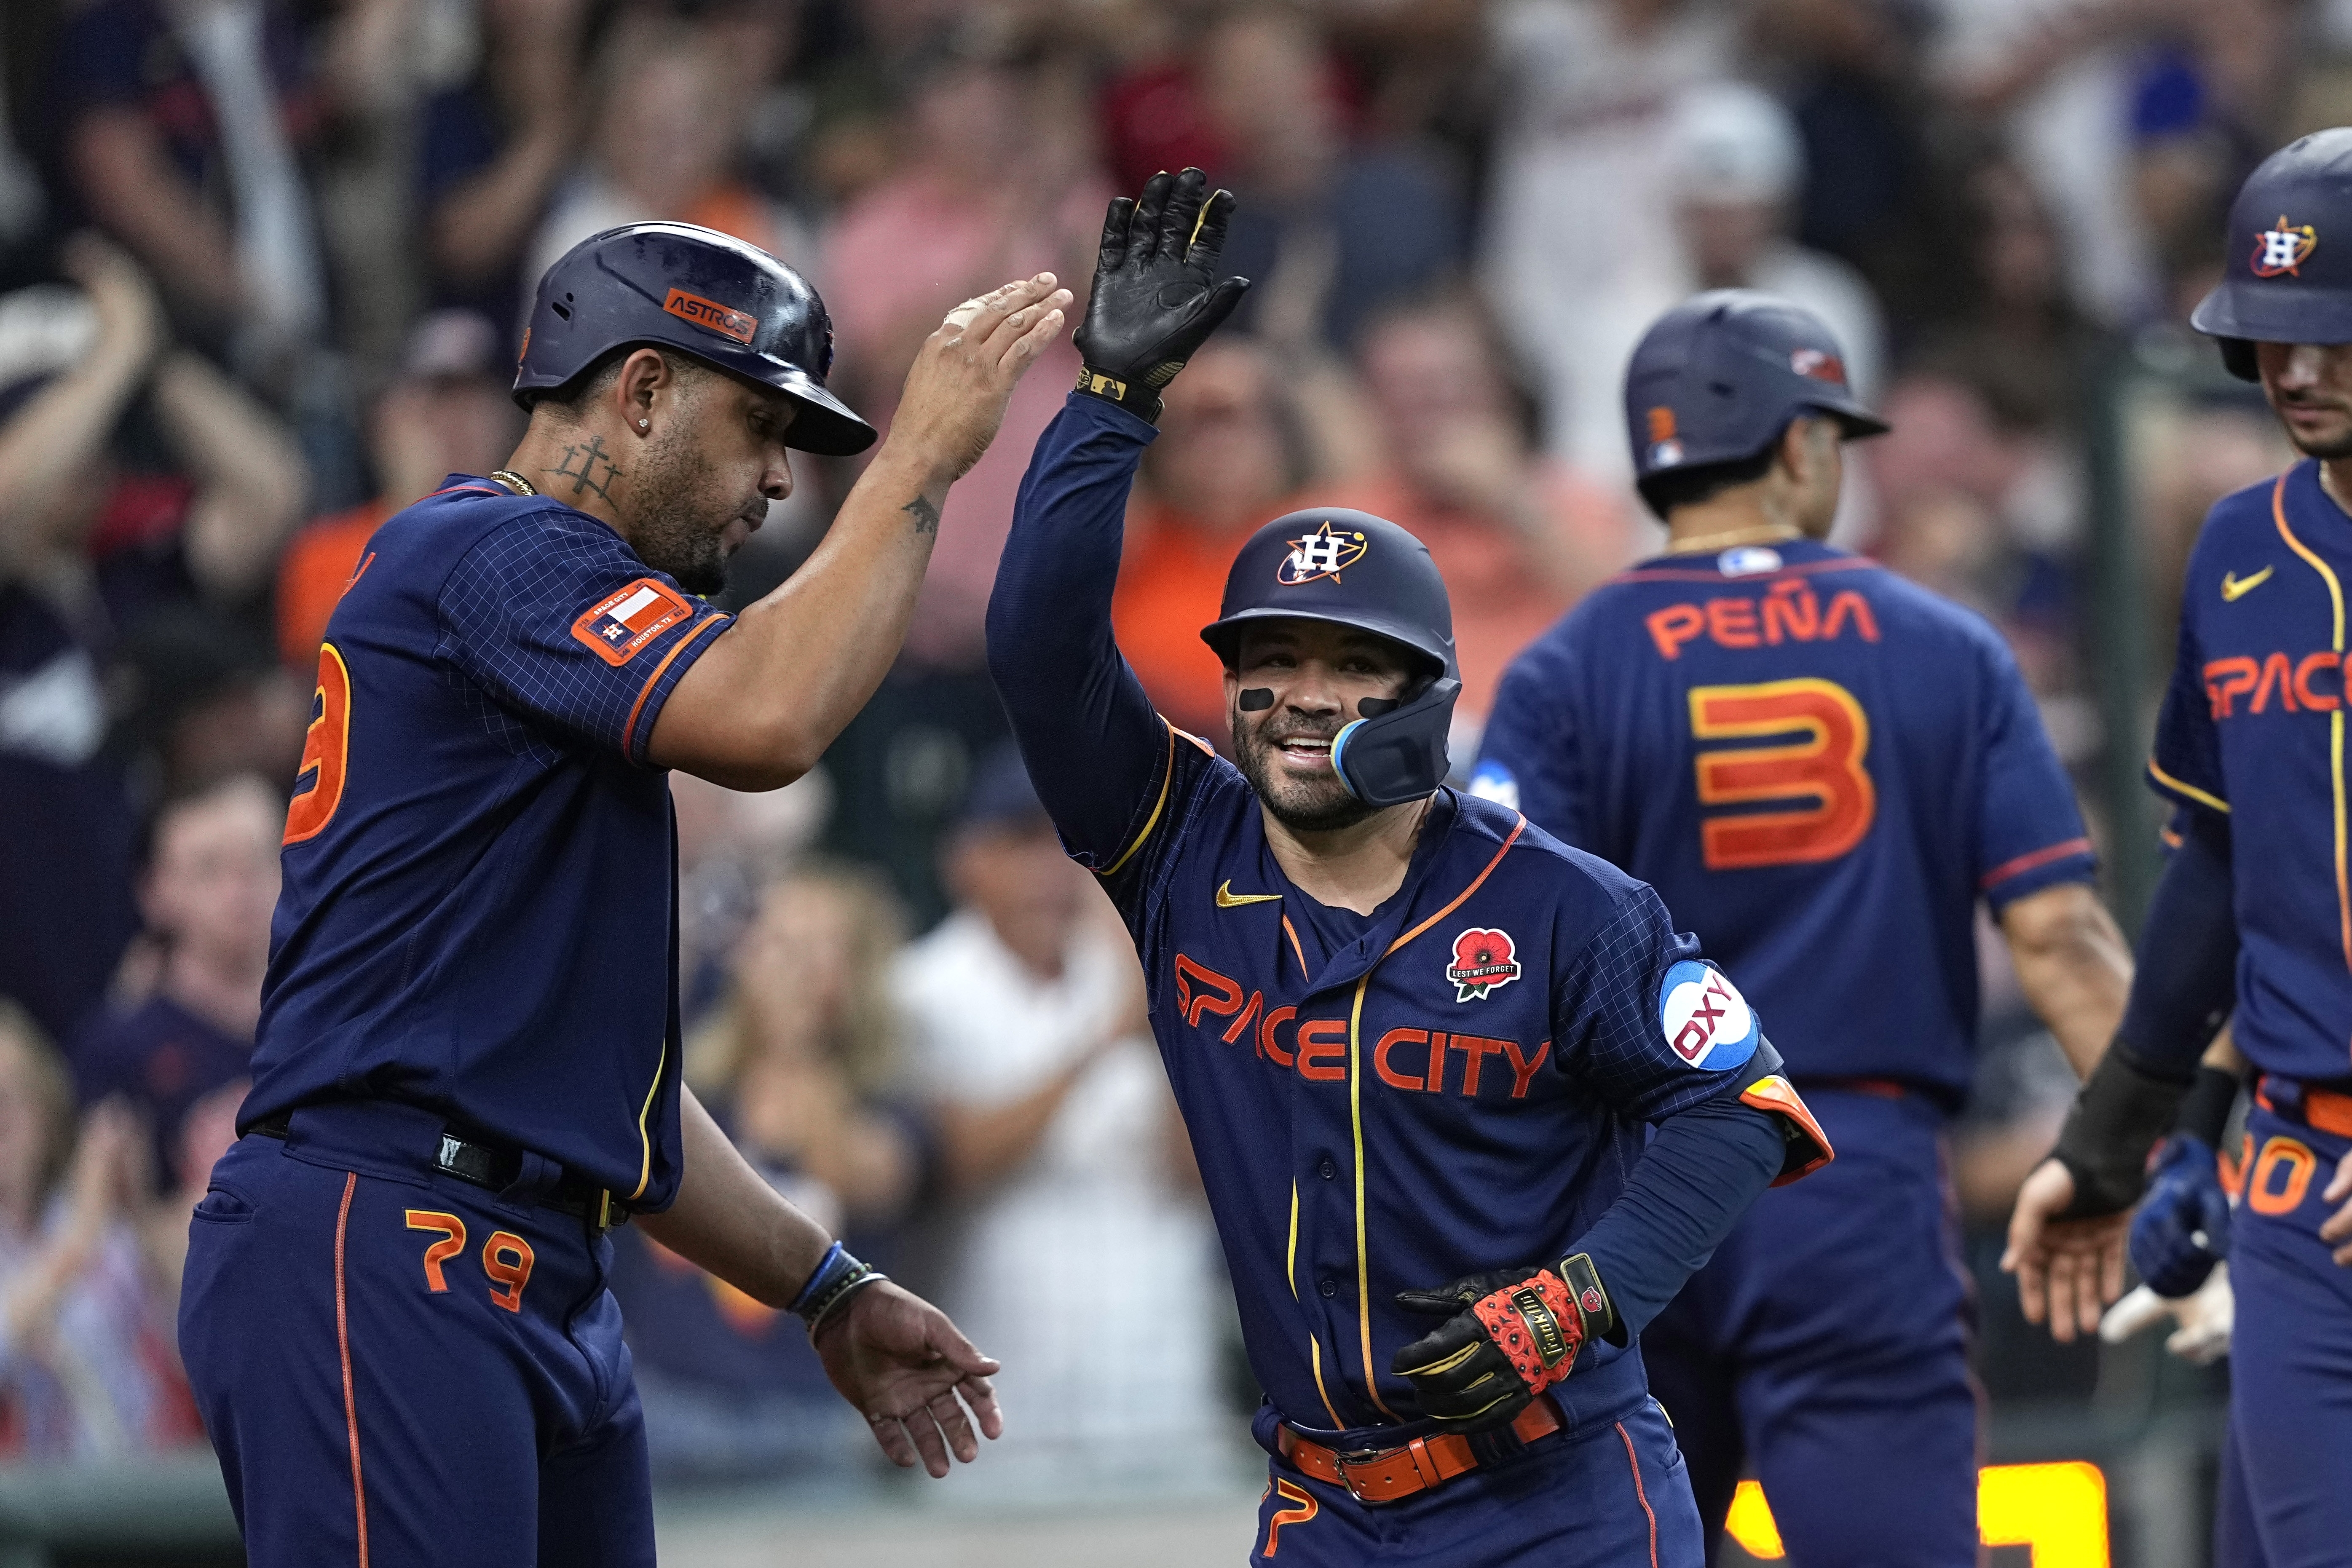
(1719, 377)
(706, 295)
(1351, 569)
(2290, 254)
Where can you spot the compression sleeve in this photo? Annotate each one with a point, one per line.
(1094, 749)
(1704, 1167)
(2185, 980)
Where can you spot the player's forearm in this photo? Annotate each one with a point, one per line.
(2186, 977)
(730, 1222)
(1698, 1175)
(1093, 743)
(2072, 967)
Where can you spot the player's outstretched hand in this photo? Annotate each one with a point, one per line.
(1156, 296)
(2066, 1269)
(956, 390)
(910, 1374)
(1507, 1335)
(2204, 1318)
(2336, 1229)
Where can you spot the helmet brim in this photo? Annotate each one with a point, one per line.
(2275, 312)
(821, 423)
(1223, 635)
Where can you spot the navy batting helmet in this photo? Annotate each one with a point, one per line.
(708, 294)
(2290, 254)
(1719, 377)
(1351, 569)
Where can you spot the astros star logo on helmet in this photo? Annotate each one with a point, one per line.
(2283, 249)
(1482, 960)
(1318, 554)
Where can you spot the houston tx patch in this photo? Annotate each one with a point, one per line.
(618, 625)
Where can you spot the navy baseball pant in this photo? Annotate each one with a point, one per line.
(398, 1368)
(1827, 1343)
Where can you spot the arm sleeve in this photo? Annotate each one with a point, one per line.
(1529, 758)
(2185, 764)
(554, 618)
(1696, 1178)
(2185, 975)
(2029, 828)
(1618, 996)
(1102, 760)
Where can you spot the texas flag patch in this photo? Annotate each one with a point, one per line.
(622, 623)
(1704, 1017)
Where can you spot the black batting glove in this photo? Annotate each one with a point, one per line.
(1156, 296)
(1508, 1334)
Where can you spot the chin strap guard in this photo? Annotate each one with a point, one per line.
(1396, 753)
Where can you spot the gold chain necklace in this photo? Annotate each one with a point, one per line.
(515, 482)
(1761, 533)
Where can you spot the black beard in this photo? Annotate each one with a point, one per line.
(2326, 452)
(1254, 755)
(672, 535)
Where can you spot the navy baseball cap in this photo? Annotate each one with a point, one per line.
(1719, 377)
(2290, 254)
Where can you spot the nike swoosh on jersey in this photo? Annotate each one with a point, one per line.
(2234, 588)
(1228, 899)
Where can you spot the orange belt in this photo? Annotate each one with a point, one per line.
(1384, 1475)
(2324, 1109)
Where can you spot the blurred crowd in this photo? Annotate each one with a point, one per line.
(261, 269)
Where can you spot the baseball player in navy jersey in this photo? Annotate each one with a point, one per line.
(2254, 911)
(1823, 768)
(395, 1317)
(1415, 1040)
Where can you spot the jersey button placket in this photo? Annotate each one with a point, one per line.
(1328, 1170)
(1329, 1287)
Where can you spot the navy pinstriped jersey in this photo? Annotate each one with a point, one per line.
(1819, 766)
(479, 904)
(2252, 729)
(1455, 1082)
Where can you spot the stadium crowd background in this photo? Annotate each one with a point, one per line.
(261, 265)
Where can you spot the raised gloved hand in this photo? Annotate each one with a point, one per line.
(1156, 296)
(2182, 1227)
(1508, 1334)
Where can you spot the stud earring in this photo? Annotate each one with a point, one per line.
(644, 423)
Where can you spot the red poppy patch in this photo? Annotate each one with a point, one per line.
(1482, 959)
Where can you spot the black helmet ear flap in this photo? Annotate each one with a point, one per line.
(1398, 754)
(2238, 358)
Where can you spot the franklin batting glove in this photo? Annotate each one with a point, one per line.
(1508, 1335)
(1156, 296)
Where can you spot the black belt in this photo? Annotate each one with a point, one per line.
(498, 1166)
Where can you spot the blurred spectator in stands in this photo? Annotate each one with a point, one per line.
(1851, 74)
(666, 142)
(1580, 255)
(207, 893)
(87, 1365)
(1519, 536)
(449, 412)
(185, 122)
(1082, 1257)
(732, 846)
(1232, 450)
(1738, 167)
(794, 1064)
(491, 149)
(25, 208)
(88, 552)
(1326, 228)
(996, 179)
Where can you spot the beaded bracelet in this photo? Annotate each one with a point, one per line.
(838, 1276)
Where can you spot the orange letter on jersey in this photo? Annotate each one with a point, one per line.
(1826, 766)
(1674, 625)
(507, 1257)
(319, 783)
(452, 1242)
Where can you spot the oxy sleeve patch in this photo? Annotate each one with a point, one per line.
(619, 625)
(1704, 1018)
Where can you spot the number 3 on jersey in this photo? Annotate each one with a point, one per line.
(1824, 765)
(319, 783)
